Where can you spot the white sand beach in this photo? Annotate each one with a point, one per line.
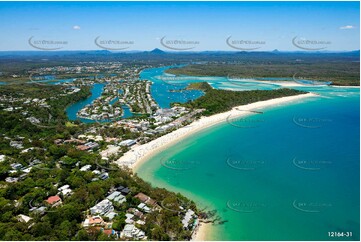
(202, 231)
(283, 83)
(140, 153)
(290, 84)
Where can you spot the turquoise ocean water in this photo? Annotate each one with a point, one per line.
(291, 173)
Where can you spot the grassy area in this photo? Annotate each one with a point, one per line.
(69, 125)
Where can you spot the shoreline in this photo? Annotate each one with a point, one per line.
(295, 84)
(138, 154)
(201, 232)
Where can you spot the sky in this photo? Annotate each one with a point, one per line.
(180, 26)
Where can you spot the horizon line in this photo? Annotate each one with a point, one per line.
(183, 51)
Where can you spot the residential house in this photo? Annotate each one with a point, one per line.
(120, 188)
(96, 172)
(88, 146)
(117, 197)
(11, 179)
(92, 145)
(104, 176)
(110, 215)
(16, 144)
(102, 207)
(23, 218)
(16, 166)
(145, 199)
(54, 201)
(142, 197)
(144, 207)
(141, 222)
(136, 212)
(130, 231)
(85, 168)
(187, 218)
(129, 219)
(40, 210)
(93, 221)
(26, 169)
(65, 190)
(128, 142)
(124, 190)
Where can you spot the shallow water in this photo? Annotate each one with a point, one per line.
(291, 173)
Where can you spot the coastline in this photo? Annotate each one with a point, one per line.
(138, 154)
(201, 232)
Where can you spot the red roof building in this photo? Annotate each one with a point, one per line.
(53, 200)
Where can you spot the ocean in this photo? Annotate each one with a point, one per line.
(291, 173)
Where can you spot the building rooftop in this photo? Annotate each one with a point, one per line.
(142, 197)
(53, 199)
(24, 218)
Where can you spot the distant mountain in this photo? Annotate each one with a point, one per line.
(158, 55)
(157, 51)
(55, 53)
(355, 52)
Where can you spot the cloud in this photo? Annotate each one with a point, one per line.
(76, 27)
(347, 27)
